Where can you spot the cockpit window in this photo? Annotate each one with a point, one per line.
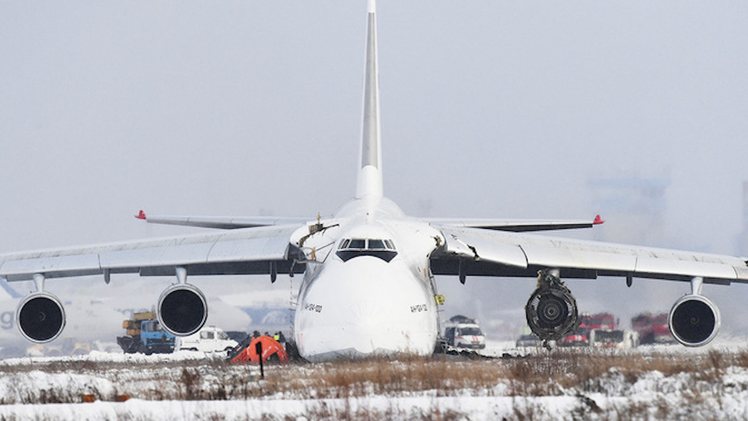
(354, 247)
(366, 244)
(376, 244)
(357, 243)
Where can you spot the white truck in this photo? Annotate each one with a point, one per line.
(463, 332)
(614, 338)
(209, 339)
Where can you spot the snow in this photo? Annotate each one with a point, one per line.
(405, 408)
(653, 405)
(398, 408)
(720, 394)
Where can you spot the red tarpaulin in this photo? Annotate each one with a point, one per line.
(271, 349)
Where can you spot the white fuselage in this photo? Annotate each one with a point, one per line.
(353, 301)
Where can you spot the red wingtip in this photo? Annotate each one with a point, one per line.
(140, 215)
(597, 220)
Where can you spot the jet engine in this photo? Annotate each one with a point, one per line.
(182, 309)
(694, 320)
(551, 311)
(40, 317)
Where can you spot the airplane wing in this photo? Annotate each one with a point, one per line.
(470, 251)
(517, 225)
(261, 250)
(221, 222)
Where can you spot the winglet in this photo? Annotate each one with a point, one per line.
(140, 215)
(597, 220)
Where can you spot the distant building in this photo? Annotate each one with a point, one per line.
(633, 206)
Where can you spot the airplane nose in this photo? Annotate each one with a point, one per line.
(365, 307)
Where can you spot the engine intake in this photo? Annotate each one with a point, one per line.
(694, 320)
(40, 317)
(182, 309)
(551, 311)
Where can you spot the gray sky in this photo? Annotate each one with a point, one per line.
(490, 109)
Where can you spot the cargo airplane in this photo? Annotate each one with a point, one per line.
(368, 271)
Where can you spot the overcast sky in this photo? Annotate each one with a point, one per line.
(489, 109)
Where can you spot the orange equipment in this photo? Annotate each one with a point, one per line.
(271, 350)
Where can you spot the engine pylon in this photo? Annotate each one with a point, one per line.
(551, 311)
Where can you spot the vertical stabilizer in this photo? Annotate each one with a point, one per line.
(369, 184)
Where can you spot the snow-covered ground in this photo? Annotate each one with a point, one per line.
(718, 392)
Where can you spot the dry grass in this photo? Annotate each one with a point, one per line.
(547, 374)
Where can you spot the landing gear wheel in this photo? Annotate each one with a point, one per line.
(551, 311)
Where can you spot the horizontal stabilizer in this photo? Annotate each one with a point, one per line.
(222, 222)
(518, 225)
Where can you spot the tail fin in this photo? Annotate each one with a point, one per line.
(369, 184)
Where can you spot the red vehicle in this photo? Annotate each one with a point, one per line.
(652, 328)
(587, 323)
(580, 337)
(604, 321)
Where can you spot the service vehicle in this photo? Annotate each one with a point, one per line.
(529, 340)
(208, 339)
(652, 328)
(144, 334)
(614, 338)
(463, 332)
(580, 336)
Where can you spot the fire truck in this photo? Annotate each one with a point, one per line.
(652, 328)
(587, 323)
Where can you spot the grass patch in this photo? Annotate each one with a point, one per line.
(556, 373)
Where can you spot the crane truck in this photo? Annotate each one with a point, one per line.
(145, 335)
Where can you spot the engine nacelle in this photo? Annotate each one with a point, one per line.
(694, 320)
(182, 309)
(551, 312)
(40, 317)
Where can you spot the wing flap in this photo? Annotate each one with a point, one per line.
(554, 253)
(86, 264)
(665, 266)
(170, 255)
